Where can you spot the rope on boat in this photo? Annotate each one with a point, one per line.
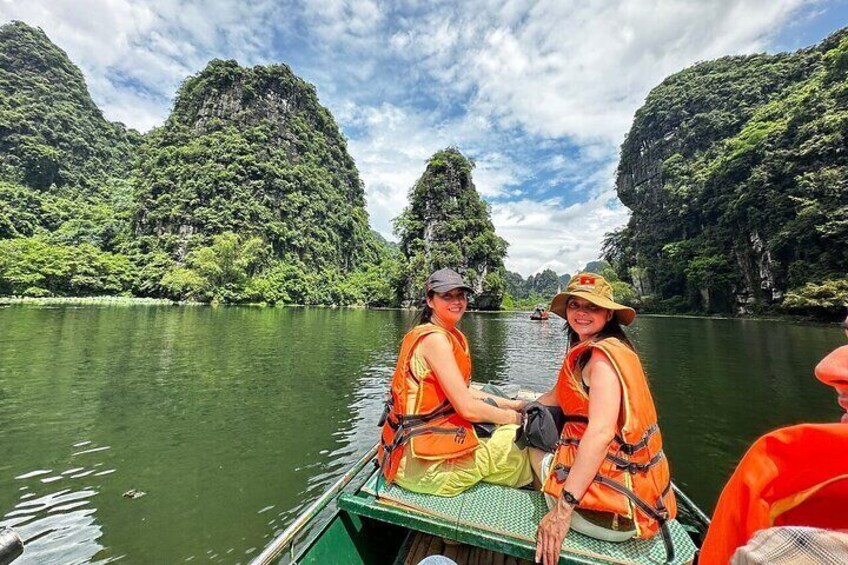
(274, 549)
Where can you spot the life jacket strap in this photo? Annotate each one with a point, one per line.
(406, 433)
(623, 446)
(633, 468)
(658, 512)
(397, 421)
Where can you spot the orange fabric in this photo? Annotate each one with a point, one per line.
(445, 437)
(794, 476)
(638, 419)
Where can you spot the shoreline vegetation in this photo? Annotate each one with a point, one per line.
(143, 301)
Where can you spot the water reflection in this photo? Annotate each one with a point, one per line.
(57, 526)
(232, 419)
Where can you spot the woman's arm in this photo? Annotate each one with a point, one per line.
(509, 403)
(438, 353)
(604, 407)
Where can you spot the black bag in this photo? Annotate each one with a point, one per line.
(539, 427)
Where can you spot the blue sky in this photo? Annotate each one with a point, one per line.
(540, 94)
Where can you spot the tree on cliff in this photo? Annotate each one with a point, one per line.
(447, 224)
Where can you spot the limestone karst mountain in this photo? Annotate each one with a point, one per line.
(737, 176)
(447, 224)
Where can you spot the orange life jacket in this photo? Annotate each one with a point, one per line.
(794, 476)
(633, 480)
(419, 414)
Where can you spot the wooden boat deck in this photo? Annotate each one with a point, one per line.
(423, 545)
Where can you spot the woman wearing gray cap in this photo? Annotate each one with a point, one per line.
(428, 443)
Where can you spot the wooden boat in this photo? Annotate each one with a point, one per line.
(539, 313)
(360, 520)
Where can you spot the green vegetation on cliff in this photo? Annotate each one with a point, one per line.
(52, 135)
(249, 160)
(447, 224)
(737, 175)
(246, 193)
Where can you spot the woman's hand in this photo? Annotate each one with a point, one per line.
(552, 531)
(516, 404)
(517, 421)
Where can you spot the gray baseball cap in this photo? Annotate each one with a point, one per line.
(445, 280)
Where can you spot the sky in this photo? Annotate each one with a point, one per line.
(539, 93)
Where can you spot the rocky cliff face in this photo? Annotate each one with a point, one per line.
(447, 224)
(253, 151)
(713, 168)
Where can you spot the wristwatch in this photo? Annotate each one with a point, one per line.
(569, 498)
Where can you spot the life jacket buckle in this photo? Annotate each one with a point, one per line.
(560, 473)
(459, 437)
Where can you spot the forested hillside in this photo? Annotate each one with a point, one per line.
(246, 193)
(252, 152)
(447, 224)
(63, 169)
(736, 171)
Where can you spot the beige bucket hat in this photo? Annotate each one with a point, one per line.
(595, 289)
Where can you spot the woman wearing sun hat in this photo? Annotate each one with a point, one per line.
(428, 441)
(608, 477)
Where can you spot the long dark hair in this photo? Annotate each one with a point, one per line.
(425, 315)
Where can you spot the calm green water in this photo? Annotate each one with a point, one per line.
(232, 419)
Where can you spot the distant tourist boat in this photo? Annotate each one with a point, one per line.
(361, 520)
(539, 313)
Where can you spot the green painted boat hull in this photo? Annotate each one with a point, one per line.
(348, 539)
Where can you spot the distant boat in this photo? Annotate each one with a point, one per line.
(539, 313)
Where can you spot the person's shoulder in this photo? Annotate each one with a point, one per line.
(435, 341)
(599, 357)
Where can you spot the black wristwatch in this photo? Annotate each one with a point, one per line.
(570, 498)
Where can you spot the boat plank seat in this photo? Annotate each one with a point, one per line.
(502, 519)
(423, 545)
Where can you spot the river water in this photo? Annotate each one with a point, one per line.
(232, 419)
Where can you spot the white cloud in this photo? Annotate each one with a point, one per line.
(580, 69)
(548, 234)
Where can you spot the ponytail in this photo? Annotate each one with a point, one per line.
(425, 315)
